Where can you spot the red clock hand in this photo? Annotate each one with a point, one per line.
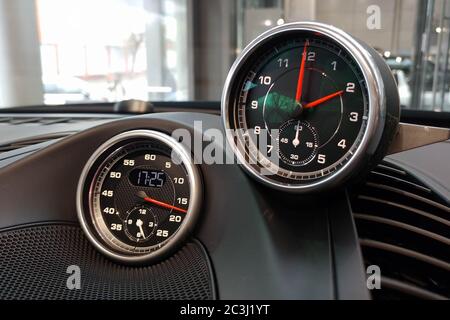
(301, 75)
(145, 197)
(322, 100)
(164, 205)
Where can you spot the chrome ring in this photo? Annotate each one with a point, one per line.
(195, 190)
(376, 93)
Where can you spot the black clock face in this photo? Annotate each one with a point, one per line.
(306, 96)
(141, 196)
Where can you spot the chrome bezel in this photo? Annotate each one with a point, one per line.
(94, 231)
(376, 104)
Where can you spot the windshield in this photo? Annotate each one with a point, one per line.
(81, 51)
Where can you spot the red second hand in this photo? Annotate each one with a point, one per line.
(301, 75)
(164, 205)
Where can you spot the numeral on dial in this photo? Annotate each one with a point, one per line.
(173, 218)
(151, 157)
(115, 175)
(128, 162)
(350, 87)
(266, 80)
(283, 63)
(116, 226)
(342, 144)
(334, 65)
(108, 193)
(321, 158)
(162, 233)
(354, 116)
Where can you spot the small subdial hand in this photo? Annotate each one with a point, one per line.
(296, 140)
(139, 224)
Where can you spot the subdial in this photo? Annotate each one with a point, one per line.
(320, 105)
(140, 224)
(297, 142)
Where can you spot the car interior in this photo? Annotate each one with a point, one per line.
(224, 150)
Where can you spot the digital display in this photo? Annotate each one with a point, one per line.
(147, 178)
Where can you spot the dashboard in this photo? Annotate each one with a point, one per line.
(262, 200)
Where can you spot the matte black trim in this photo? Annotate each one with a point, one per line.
(428, 118)
(348, 265)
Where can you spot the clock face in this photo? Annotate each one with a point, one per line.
(139, 196)
(300, 105)
(309, 97)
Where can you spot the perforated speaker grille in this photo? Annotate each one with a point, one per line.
(34, 262)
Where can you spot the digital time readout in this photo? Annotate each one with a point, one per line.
(147, 178)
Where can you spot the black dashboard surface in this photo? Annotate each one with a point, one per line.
(262, 244)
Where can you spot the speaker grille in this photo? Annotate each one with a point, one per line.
(34, 261)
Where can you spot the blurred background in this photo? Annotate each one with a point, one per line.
(79, 51)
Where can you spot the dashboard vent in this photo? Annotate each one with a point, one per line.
(30, 142)
(404, 228)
